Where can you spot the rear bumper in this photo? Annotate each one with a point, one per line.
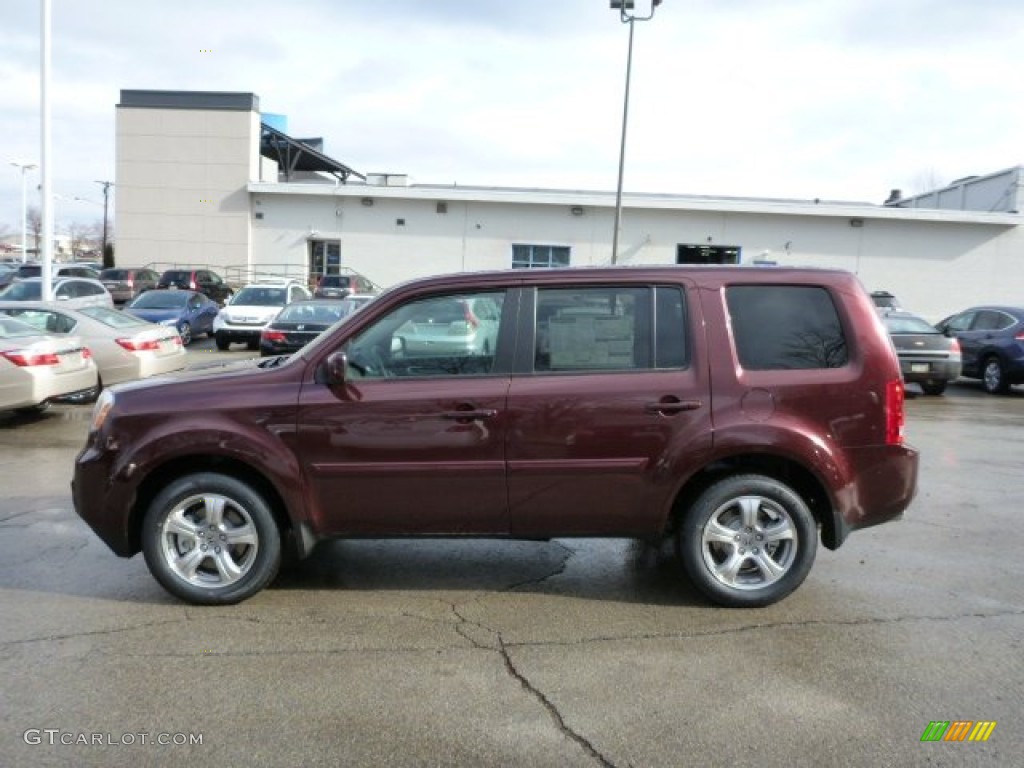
(883, 485)
(919, 371)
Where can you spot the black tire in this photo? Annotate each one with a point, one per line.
(764, 529)
(181, 521)
(253, 344)
(933, 387)
(222, 341)
(993, 377)
(185, 331)
(34, 410)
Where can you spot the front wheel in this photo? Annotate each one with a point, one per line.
(210, 539)
(993, 378)
(748, 541)
(222, 341)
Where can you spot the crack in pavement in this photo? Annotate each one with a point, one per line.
(589, 748)
(568, 553)
(760, 626)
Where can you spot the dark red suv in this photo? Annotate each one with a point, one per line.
(743, 412)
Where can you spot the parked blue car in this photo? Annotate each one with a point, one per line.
(190, 312)
(991, 343)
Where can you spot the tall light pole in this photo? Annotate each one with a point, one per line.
(46, 153)
(25, 168)
(106, 195)
(626, 16)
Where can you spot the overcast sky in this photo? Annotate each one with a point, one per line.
(834, 99)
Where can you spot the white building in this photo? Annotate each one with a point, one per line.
(203, 178)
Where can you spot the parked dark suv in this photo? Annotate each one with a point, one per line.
(742, 412)
(204, 281)
(340, 286)
(125, 284)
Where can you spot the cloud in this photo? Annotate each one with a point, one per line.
(838, 99)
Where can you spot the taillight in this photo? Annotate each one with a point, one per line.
(272, 336)
(86, 353)
(24, 359)
(132, 345)
(1019, 336)
(954, 346)
(894, 415)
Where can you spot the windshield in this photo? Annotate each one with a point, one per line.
(27, 291)
(160, 300)
(252, 296)
(112, 317)
(907, 324)
(319, 314)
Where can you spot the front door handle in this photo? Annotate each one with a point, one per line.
(470, 415)
(673, 406)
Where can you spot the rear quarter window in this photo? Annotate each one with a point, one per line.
(784, 327)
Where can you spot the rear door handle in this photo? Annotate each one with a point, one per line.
(673, 406)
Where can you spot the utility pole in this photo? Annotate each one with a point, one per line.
(106, 196)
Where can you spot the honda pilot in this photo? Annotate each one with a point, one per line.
(746, 414)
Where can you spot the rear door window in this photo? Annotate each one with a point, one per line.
(610, 328)
(780, 327)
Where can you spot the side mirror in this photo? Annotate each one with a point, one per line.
(337, 369)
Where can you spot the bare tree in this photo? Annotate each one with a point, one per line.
(35, 225)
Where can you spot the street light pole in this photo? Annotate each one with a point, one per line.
(625, 8)
(106, 195)
(25, 168)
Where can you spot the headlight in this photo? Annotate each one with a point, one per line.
(101, 410)
(170, 321)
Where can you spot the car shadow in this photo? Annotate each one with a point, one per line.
(625, 570)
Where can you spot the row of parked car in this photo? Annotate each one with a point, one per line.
(983, 342)
(73, 346)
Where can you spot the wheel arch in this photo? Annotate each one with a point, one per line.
(192, 464)
(781, 468)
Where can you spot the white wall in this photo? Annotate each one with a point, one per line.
(182, 177)
(934, 267)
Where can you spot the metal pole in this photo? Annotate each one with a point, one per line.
(24, 215)
(622, 147)
(46, 156)
(25, 168)
(106, 195)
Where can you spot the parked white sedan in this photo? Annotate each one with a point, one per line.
(123, 346)
(35, 368)
(73, 292)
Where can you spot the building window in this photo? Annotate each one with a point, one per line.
(707, 254)
(539, 256)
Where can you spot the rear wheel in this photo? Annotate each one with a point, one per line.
(185, 331)
(993, 378)
(748, 541)
(933, 387)
(253, 344)
(211, 539)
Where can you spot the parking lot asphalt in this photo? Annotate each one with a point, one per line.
(489, 653)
